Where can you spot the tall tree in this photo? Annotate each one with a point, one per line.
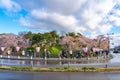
(36, 38)
(72, 34)
(28, 35)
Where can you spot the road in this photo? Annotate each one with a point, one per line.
(11, 75)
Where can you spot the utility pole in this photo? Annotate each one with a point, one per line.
(108, 35)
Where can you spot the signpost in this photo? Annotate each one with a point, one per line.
(17, 48)
(37, 50)
(2, 49)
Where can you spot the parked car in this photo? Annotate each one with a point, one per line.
(116, 51)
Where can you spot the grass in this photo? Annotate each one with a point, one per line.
(21, 68)
(63, 69)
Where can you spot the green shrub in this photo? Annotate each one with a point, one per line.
(51, 69)
(84, 68)
(92, 68)
(54, 50)
(66, 67)
(21, 67)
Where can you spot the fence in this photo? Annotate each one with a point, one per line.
(53, 62)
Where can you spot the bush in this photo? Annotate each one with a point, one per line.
(30, 49)
(66, 67)
(54, 50)
(84, 69)
(92, 68)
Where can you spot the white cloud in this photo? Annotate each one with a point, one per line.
(115, 40)
(56, 21)
(106, 28)
(25, 22)
(95, 14)
(116, 12)
(10, 5)
(65, 6)
(91, 16)
(115, 20)
(39, 14)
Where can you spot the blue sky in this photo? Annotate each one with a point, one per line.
(89, 17)
(9, 24)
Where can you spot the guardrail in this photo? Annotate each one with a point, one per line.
(51, 59)
(57, 62)
(72, 60)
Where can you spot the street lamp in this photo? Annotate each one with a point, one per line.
(9, 52)
(45, 53)
(108, 51)
(108, 35)
(23, 52)
(37, 49)
(85, 49)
